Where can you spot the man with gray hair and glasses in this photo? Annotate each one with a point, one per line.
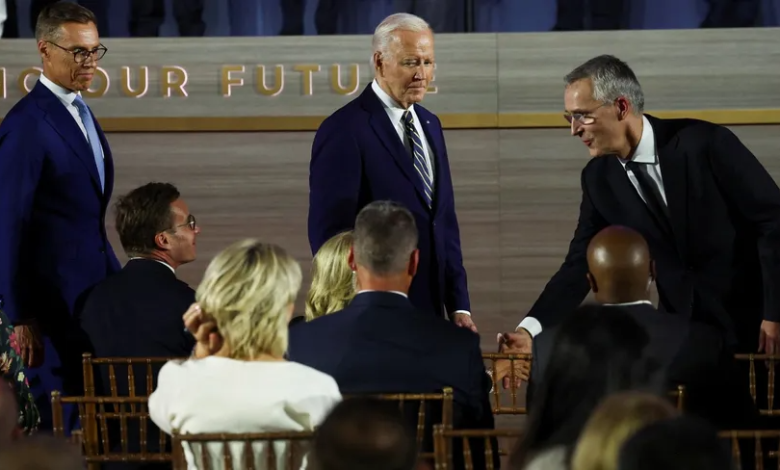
(708, 209)
(385, 145)
(381, 342)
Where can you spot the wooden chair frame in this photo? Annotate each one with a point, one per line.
(771, 361)
(442, 441)
(498, 409)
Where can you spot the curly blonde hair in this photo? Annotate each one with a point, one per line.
(248, 289)
(332, 282)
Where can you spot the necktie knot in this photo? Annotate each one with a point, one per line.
(408, 118)
(80, 104)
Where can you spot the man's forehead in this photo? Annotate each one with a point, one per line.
(79, 35)
(579, 97)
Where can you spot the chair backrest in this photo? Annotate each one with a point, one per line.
(100, 427)
(424, 399)
(738, 438)
(443, 445)
(247, 451)
(678, 395)
(515, 362)
(125, 365)
(765, 408)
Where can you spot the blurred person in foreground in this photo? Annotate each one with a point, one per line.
(332, 280)
(16, 392)
(56, 178)
(597, 351)
(615, 420)
(365, 434)
(385, 146)
(382, 343)
(238, 379)
(10, 430)
(709, 210)
(42, 453)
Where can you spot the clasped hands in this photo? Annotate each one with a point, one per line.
(209, 342)
(518, 342)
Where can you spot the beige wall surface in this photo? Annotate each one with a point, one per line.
(517, 195)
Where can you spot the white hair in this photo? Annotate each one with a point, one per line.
(384, 33)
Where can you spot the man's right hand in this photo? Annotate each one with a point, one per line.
(28, 344)
(519, 342)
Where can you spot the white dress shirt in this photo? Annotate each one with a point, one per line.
(396, 113)
(645, 153)
(67, 98)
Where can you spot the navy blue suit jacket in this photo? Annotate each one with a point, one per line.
(53, 243)
(358, 158)
(381, 343)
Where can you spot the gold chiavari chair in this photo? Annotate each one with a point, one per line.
(125, 365)
(678, 395)
(770, 362)
(444, 439)
(738, 437)
(96, 421)
(517, 363)
(245, 451)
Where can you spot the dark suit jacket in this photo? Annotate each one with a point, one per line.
(688, 353)
(137, 312)
(721, 264)
(358, 158)
(380, 343)
(53, 242)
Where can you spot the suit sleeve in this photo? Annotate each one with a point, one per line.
(456, 292)
(569, 286)
(334, 182)
(21, 161)
(746, 184)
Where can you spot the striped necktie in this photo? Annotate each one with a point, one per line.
(419, 156)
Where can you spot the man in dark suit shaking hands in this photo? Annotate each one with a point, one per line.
(708, 209)
(56, 177)
(385, 146)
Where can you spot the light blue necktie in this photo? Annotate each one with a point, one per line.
(417, 155)
(94, 139)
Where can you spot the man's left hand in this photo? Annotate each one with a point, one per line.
(769, 337)
(464, 320)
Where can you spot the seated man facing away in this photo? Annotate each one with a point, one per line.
(380, 343)
(689, 353)
(365, 434)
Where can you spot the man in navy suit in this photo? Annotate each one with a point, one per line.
(384, 145)
(56, 176)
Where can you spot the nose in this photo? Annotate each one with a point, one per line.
(197, 229)
(574, 127)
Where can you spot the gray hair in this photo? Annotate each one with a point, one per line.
(385, 236)
(52, 17)
(384, 33)
(612, 78)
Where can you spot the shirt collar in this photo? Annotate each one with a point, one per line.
(645, 151)
(64, 95)
(390, 291)
(387, 101)
(626, 304)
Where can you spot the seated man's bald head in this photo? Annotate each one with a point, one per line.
(619, 265)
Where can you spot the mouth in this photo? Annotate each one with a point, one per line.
(587, 142)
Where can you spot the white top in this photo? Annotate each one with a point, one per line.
(3, 15)
(646, 152)
(216, 394)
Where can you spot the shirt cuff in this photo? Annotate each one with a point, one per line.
(531, 325)
(462, 311)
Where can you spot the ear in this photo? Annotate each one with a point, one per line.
(378, 62)
(414, 262)
(43, 49)
(162, 241)
(351, 259)
(592, 281)
(624, 108)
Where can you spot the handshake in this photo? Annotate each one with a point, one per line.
(519, 342)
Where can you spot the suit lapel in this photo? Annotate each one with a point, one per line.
(432, 135)
(385, 130)
(626, 193)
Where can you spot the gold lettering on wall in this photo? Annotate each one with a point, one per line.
(227, 81)
(101, 90)
(262, 88)
(354, 79)
(432, 88)
(307, 70)
(21, 82)
(143, 82)
(173, 78)
(2, 81)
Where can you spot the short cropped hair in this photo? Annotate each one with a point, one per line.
(365, 434)
(143, 213)
(385, 237)
(247, 289)
(611, 78)
(385, 31)
(52, 17)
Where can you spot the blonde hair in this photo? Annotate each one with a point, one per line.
(613, 422)
(247, 289)
(332, 280)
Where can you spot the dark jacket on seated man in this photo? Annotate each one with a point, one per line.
(138, 311)
(381, 343)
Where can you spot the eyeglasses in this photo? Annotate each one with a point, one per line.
(191, 222)
(584, 117)
(81, 55)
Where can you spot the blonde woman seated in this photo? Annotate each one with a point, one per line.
(238, 380)
(332, 281)
(615, 420)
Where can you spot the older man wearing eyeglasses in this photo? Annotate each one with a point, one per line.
(56, 177)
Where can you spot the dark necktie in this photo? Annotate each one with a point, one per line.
(653, 198)
(418, 156)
